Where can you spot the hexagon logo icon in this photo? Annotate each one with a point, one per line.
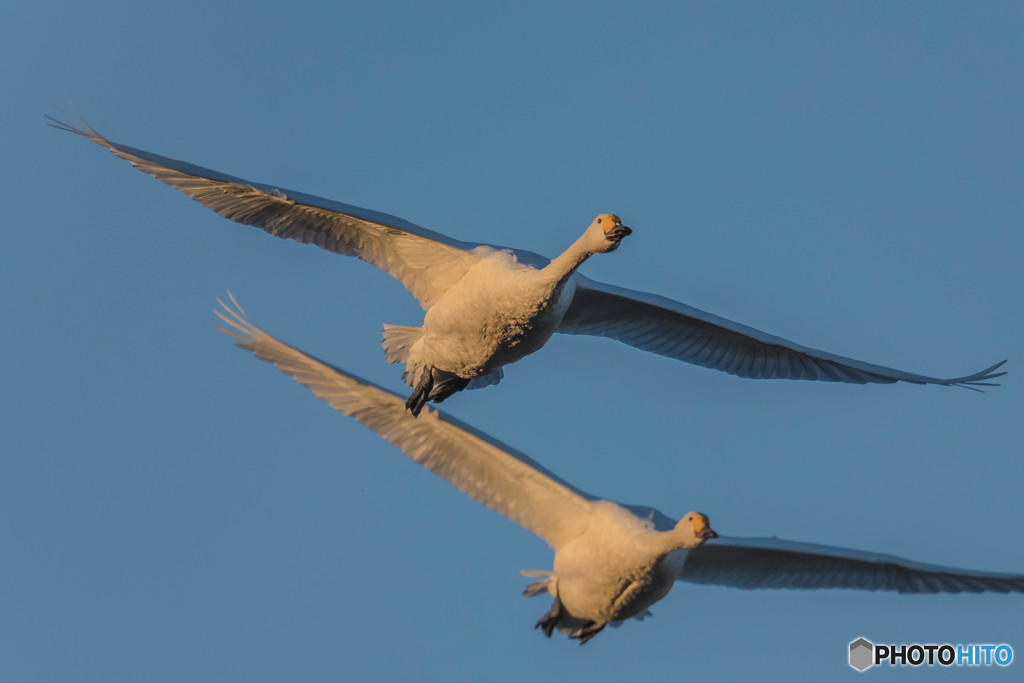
(862, 654)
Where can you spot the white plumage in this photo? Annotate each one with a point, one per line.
(489, 306)
(612, 561)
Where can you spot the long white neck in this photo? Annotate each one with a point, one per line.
(563, 266)
(676, 538)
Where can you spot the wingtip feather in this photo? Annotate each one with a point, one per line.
(978, 379)
(74, 123)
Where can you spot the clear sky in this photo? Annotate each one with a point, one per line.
(846, 175)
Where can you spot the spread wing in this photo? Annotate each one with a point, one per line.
(670, 328)
(501, 478)
(775, 563)
(426, 262)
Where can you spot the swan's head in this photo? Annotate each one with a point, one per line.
(605, 233)
(693, 529)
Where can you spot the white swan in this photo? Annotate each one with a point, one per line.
(612, 561)
(488, 306)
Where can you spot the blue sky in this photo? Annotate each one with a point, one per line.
(844, 175)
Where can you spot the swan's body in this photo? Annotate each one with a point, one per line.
(489, 306)
(497, 313)
(612, 561)
(617, 567)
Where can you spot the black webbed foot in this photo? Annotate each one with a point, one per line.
(549, 621)
(419, 396)
(445, 384)
(588, 632)
(434, 386)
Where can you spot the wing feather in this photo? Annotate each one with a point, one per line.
(673, 329)
(774, 563)
(427, 263)
(501, 478)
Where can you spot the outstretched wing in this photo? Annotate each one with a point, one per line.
(775, 563)
(670, 328)
(426, 262)
(501, 478)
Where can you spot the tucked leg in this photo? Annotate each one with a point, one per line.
(445, 384)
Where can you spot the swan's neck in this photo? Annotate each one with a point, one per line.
(562, 267)
(674, 540)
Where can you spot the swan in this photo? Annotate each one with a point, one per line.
(612, 561)
(488, 306)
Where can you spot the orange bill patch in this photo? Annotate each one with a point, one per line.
(610, 221)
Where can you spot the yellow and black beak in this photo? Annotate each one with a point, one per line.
(616, 232)
(702, 528)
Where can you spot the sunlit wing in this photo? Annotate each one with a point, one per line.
(501, 478)
(775, 563)
(673, 329)
(427, 263)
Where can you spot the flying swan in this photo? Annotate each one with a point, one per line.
(488, 306)
(612, 561)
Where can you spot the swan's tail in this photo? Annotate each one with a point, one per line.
(398, 342)
(546, 584)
